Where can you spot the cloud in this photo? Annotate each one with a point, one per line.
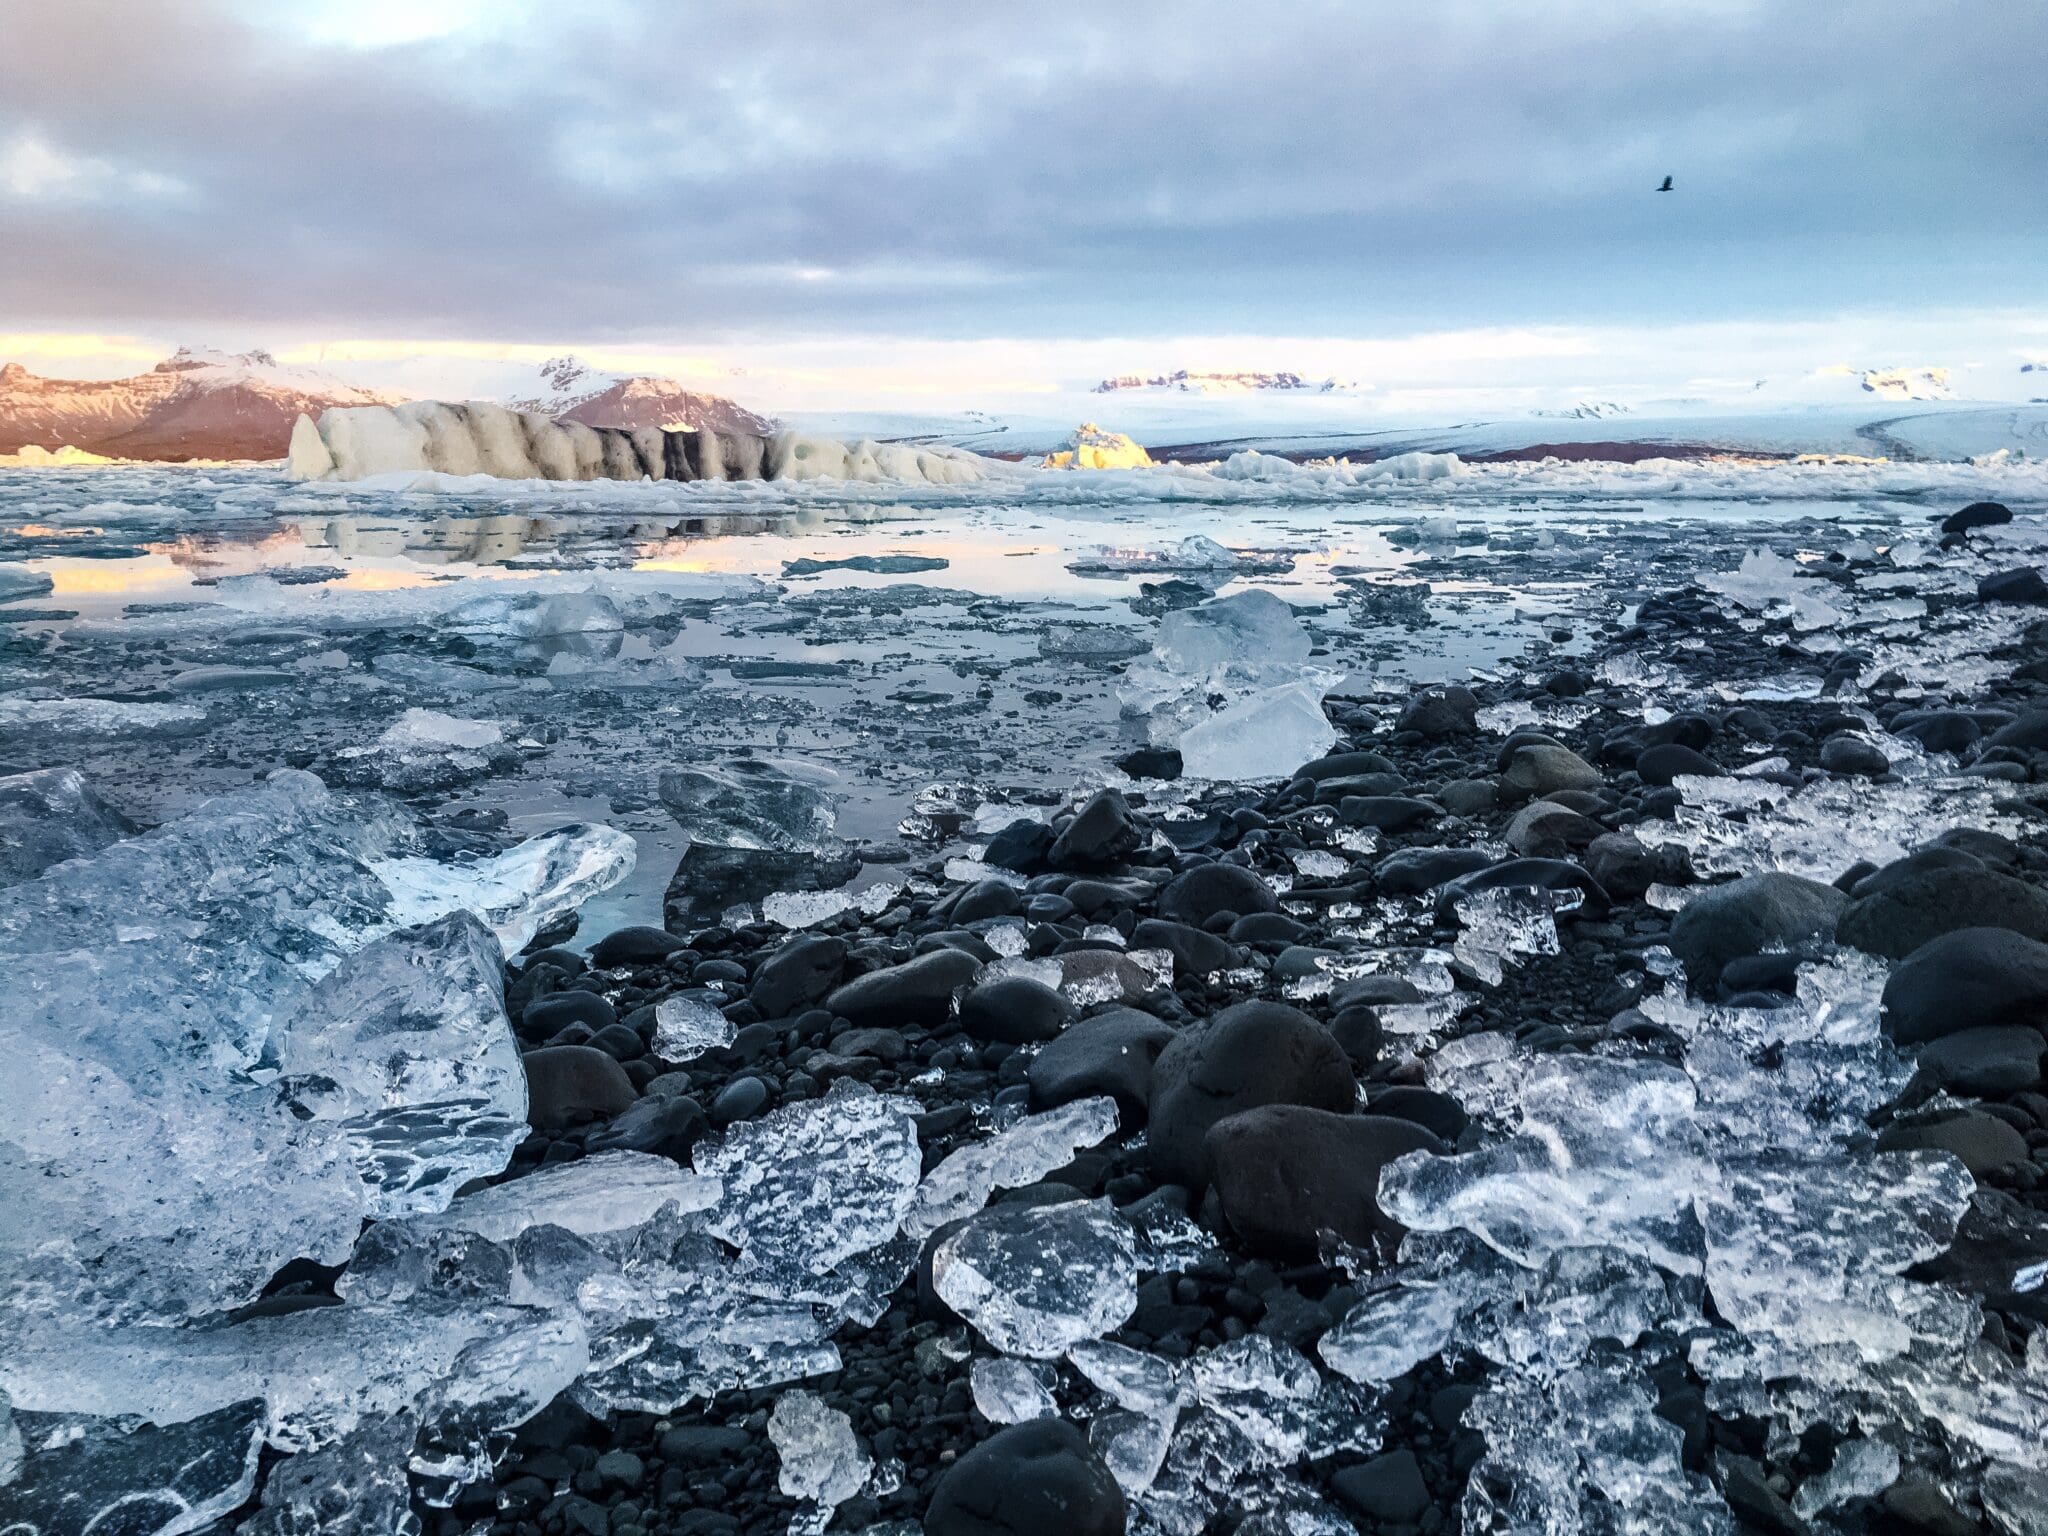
(644, 172)
(31, 168)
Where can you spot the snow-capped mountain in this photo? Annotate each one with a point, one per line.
(569, 391)
(1183, 382)
(196, 404)
(1588, 410)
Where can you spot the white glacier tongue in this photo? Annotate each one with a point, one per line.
(1037, 1280)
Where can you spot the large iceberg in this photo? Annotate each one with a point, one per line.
(477, 438)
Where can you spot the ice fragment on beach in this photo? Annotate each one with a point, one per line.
(49, 816)
(1132, 1445)
(1608, 1152)
(1036, 1280)
(685, 1028)
(820, 1459)
(99, 717)
(1261, 736)
(804, 909)
(1021, 1154)
(812, 1184)
(89, 1474)
(1143, 1383)
(1009, 1391)
(1389, 1332)
(406, 1046)
(1766, 583)
(357, 1485)
(604, 1192)
(516, 892)
(1862, 1469)
(1500, 926)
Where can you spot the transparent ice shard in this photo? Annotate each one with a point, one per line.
(604, 1192)
(1132, 1445)
(820, 1458)
(1036, 1280)
(1021, 1154)
(49, 816)
(1608, 1153)
(405, 1045)
(10, 1442)
(1009, 1391)
(1263, 1387)
(1262, 736)
(804, 909)
(810, 1185)
(1143, 1383)
(90, 1474)
(1389, 1332)
(1499, 927)
(353, 1487)
(1862, 1469)
(685, 1028)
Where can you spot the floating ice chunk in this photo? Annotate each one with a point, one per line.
(354, 1487)
(821, 1460)
(1262, 736)
(18, 582)
(105, 1475)
(1036, 1280)
(1248, 639)
(1765, 582)
(100, 717)
(407, 1046)
(49, 816)
(1197, 552)
(685, 1028)
(1093, 447)
(812, 1184)
(1022, 1154)
(754, 802)
(1010, 1392)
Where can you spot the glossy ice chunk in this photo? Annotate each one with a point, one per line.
(820, 1459)
(1608, 1153)
(1036, 1280)
(774, 803)
(685, 1028)
(1135, 1380)
(1862, 1469)
(354, 1487)
(1009, 1392)
(405, 1045)
(1020, 1154)
(49, 816)
(1391, 1331)
(604, 1192)
(810, 1185)
(1261, 736)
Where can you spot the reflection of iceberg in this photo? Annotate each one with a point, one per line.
(352, 442)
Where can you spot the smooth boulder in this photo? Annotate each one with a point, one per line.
(918, 992)
(1250, 1055)
(1113, 1053)
(569, 1084)
(1208, 889)
(1031, 1479)
(1895, 916)
(1750, 916)
(799, 974)
(1970, 979)
(1285, 1173)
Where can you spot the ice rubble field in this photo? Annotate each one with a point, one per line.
(234, 1037)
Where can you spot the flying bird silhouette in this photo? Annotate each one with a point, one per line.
(1667, 185)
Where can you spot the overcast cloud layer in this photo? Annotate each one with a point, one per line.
(644, 172)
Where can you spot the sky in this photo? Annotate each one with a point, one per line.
(898, 201)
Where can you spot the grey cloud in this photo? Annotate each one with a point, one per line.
(659, 171)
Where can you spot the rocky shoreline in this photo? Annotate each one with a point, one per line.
(1261, 1092)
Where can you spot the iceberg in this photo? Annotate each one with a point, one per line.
(49, 816)
(478, 438)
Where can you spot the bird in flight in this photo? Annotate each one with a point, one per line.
(1667, 185)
